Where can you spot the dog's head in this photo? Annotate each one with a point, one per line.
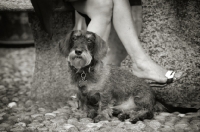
(81, 47)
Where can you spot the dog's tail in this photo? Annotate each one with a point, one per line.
(160, 107)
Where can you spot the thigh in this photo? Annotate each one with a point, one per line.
(92, 7)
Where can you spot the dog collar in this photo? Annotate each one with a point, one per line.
(87, 69)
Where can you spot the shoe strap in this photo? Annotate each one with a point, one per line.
(170, 74)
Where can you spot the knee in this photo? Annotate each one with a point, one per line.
(105, 10)
(107, 7)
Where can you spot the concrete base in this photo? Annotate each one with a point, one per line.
(50, 86)
(172, 39)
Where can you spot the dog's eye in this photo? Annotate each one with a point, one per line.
(89, 40)
(90, 45)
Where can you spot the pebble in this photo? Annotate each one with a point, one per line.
(70, 128)
(89, 130)
(36, 124)
(105, 129)
(42, 129)
(181, 115)
(132, 127)
(28, 103)
(17, 129)
(72, 121)
(12, 105)
(86, 120)
(20, 124)
(58, 120)
(141, 124)
(5, 100)
(4, 126)
(121, 125)
(115, 123)
(148, 129)
(50, 116)
(118, 130)
(36, 115)
(166, 129)
(92, 125)
(47, 122)
(15, 99)
(164, 114)
(171, 120)
(2, 90)
(160, 118)
(180, 126)
(155, 124)
(41, 110)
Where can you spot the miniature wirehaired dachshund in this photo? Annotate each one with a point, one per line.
(104, 89)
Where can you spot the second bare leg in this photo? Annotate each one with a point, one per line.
(100, 13)
(143, 65)
(117, 51)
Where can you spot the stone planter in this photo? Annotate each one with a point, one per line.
(14, 28)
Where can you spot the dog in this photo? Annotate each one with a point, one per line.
(105, 90)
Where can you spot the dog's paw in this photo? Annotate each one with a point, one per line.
(100, 118)
(123, 116)
(134, 120)
(92, 114)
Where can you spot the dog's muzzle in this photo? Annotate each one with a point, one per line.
(79, 59)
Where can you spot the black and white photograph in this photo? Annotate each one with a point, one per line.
(99, 65)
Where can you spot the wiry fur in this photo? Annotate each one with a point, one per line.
(109, 89)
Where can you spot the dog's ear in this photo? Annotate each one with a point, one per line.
(100, 48)
(64, 44)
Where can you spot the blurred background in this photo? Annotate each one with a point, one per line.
(15, 30)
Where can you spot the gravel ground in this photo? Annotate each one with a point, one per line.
(16, 115)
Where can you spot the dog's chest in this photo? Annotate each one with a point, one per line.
(82, 83)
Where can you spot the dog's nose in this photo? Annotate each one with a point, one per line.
(78, 52)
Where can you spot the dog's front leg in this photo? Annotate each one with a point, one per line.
(82, 103)
(105, 110)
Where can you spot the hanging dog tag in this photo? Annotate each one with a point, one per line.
(82, 82)
(83, 76)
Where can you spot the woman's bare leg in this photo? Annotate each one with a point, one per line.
(143, 65)
(136, 12)
(100, 13)
(79, 22)
(117, 51)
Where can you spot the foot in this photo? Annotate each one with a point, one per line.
(148, 69)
